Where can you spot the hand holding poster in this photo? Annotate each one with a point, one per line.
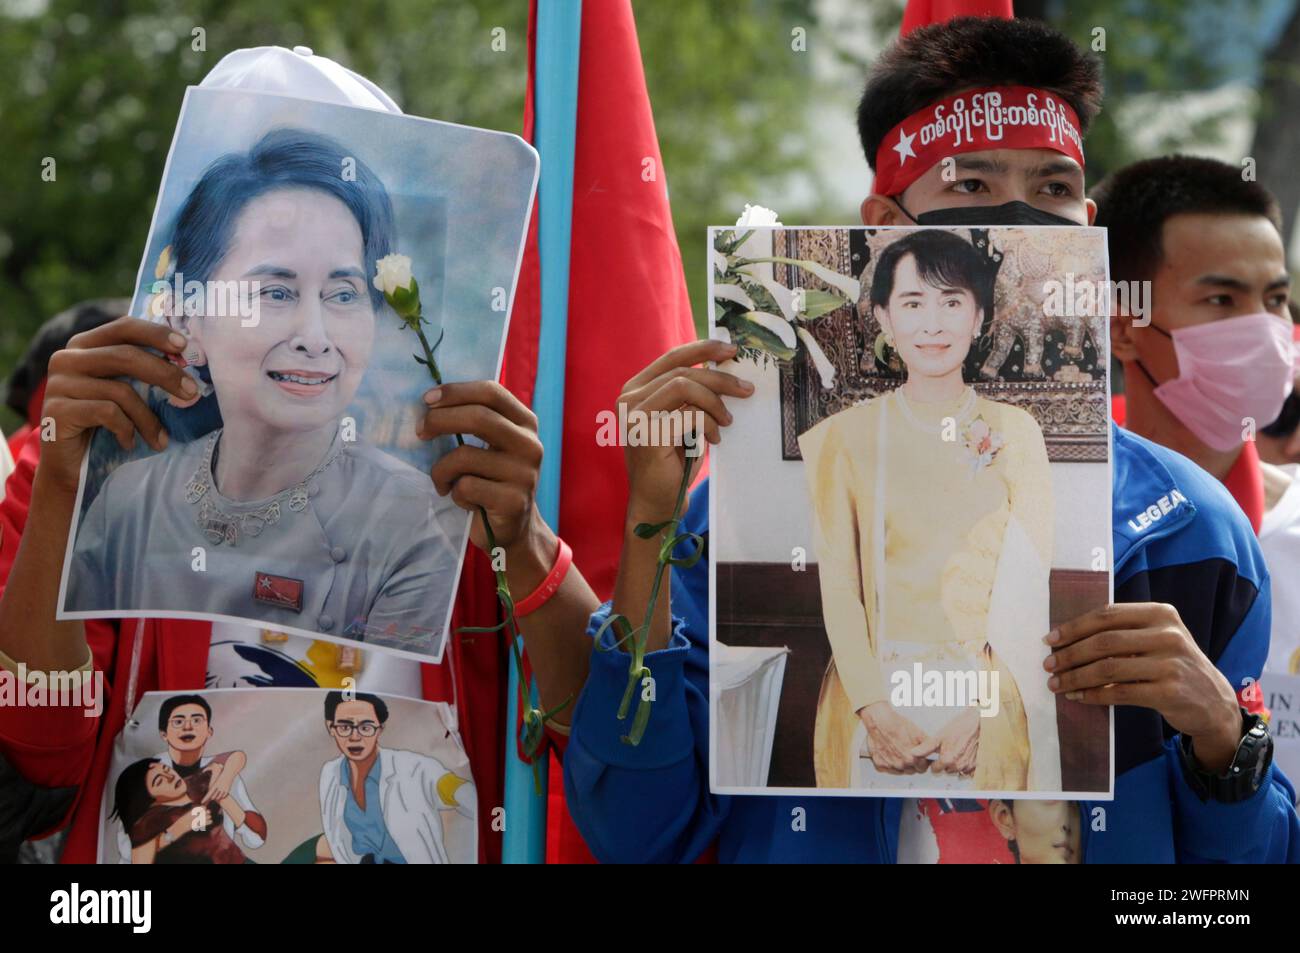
(917, 491)
(294, 491)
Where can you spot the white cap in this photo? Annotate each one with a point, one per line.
(297, 72)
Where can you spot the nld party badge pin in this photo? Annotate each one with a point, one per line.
(278, 591)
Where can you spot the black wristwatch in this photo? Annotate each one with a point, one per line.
(1244, 775)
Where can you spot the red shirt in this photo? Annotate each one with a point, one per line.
(61, 747)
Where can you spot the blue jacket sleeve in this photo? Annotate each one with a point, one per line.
(649, 803)
(1263, 829)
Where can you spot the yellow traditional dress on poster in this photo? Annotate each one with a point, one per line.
(909, 559)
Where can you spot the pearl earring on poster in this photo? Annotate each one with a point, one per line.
(189, 361)
(193, 354)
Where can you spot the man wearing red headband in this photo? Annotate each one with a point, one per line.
(979, 122)
(1006, 104)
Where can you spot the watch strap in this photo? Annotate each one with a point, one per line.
(1246, 771)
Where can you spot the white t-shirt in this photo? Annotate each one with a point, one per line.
(240, 658)
(1279, 538)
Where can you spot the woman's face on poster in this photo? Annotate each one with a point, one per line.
(932, 328)
(1045, 832)
(295, 362)
(163, 783)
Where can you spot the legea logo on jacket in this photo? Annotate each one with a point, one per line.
(1157, 511)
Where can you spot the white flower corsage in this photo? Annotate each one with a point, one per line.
(981, 443)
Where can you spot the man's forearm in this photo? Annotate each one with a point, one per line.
(635, 582)
(232, 808)
(555, 633)
(28, 630)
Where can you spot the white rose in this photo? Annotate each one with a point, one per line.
(392, 272)
(756, 215)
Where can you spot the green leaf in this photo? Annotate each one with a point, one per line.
(818, 303)
(625, 627)
(507, 601)
(740, 240)
(639, 724)
(482, 628)
(745, 333)
(728, 241)
(686, 562)
(649, 530)
(632, 682)
(547, 716)
(828, 275)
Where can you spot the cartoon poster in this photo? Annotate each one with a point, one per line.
(917, 490)
(294, 493)
(288, 776)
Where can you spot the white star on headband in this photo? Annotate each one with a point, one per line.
(904, 147)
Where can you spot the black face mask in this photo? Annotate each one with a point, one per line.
(1009, 213)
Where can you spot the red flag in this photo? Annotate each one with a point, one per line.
(628, 301)
(925, 12)
(627, 292)
(473, 676)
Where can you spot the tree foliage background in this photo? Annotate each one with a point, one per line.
(97, 88)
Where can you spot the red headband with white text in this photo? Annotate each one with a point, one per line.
(1001, 117)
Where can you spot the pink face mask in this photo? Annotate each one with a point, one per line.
(1230, 372)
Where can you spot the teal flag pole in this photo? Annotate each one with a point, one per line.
(555, 98)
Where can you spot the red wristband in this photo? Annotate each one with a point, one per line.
(549, 586)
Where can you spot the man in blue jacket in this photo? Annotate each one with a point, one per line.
(1188, 631)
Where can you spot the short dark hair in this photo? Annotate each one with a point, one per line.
(54, 335)
(176, 701)
(943, 260)
(936, 61)
(281, 159)
(334, 699)
(1134, 203)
